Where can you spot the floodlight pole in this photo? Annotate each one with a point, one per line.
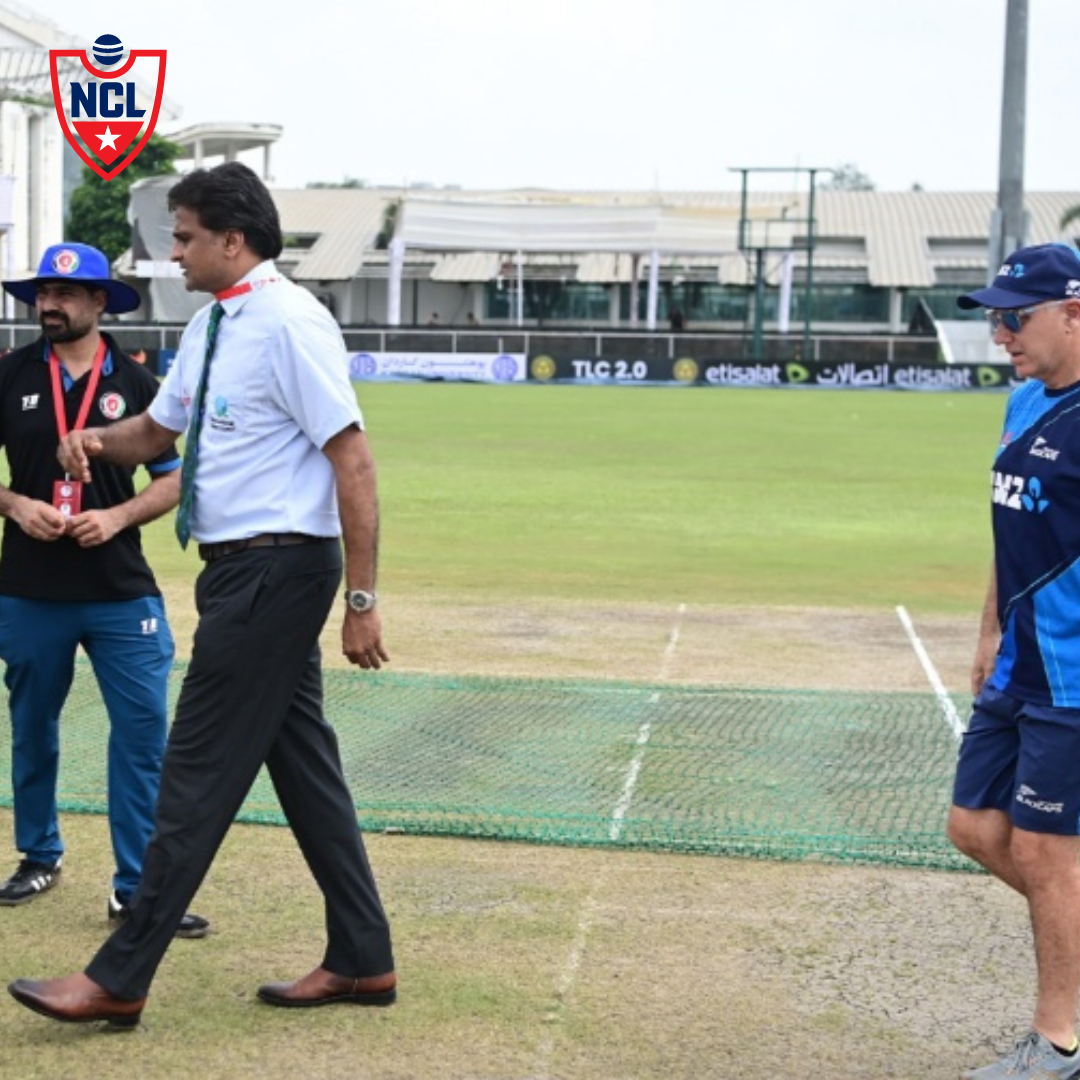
(1008, 227)
(810, 263)
(758, 343)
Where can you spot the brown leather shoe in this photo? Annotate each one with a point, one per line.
(323, 987)
(76, 999)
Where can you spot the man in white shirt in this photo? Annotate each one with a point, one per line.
(276, 472)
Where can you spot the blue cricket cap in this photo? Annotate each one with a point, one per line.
(1031, 275)
(82, 264)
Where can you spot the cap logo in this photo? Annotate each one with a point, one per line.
(65, 261)
(1073, 288)
(1011, 270)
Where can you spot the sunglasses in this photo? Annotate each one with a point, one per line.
(1013, 319)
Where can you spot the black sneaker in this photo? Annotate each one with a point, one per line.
(191, 926)
(30, 880)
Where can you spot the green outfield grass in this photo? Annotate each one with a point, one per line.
(694, 495)
(667, 495)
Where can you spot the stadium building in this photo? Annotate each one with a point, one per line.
(542, 258)
(848, 261)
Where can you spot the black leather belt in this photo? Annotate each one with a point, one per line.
(210, 552)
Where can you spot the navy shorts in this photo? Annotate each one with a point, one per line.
(1024, 760)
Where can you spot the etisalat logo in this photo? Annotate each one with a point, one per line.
(98, 110)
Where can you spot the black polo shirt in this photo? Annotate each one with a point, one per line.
(61, 569)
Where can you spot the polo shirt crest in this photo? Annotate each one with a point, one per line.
(112, 405)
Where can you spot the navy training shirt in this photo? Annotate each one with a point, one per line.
(1036, 519)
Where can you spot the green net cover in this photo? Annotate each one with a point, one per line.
(782, 774)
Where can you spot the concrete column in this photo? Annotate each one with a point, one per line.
(35, 173)
(654, 289)
(393, 283)
(896, 311)
(345, 302)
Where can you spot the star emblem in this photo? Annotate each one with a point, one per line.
(108, 138)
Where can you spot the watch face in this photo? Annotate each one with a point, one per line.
(359, 600)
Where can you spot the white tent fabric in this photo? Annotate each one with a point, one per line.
(466, 225)
(562, 227)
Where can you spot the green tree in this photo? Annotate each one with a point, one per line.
(389, 225)
(348, 182)
(99, 208)
(1071, 215)
(848, 177)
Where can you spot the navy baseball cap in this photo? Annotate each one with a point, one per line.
(84, 265)
(1031, 275)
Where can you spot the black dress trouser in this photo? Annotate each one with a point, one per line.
(253, 695)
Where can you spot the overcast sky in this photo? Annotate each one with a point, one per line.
(610, 94)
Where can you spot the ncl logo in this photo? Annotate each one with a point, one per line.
(98, 110)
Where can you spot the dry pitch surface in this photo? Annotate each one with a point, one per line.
(522, 963)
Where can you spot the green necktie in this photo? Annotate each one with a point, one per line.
(191, 447)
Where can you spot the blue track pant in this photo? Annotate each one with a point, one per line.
(130, 646)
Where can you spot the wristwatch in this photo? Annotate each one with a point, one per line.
(359, 600)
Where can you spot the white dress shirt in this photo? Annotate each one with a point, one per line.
(279, 390)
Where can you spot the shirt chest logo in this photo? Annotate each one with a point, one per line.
(30, 401)
(1018, 493)
(112, 405)
(220, 417)
(1041, 449)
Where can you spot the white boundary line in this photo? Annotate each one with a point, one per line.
(952, 717)
(644, 734)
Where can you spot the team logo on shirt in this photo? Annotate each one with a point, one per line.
(1018, 493)
(112, 405)
(30, 401)
(98, 109)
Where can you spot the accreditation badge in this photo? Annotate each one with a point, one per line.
(67, 497)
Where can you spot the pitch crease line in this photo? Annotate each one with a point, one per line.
(952, 717)
(644, 734)
(570, 971)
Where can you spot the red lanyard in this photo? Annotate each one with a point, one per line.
(88, 397)
(244, 287)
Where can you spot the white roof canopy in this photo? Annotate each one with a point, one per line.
(466, 225)
(558, 226)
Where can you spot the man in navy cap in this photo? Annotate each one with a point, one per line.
(72, 572)
(1016, 801)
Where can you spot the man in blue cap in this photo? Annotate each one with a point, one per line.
(72, 572)
(1016, 800)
